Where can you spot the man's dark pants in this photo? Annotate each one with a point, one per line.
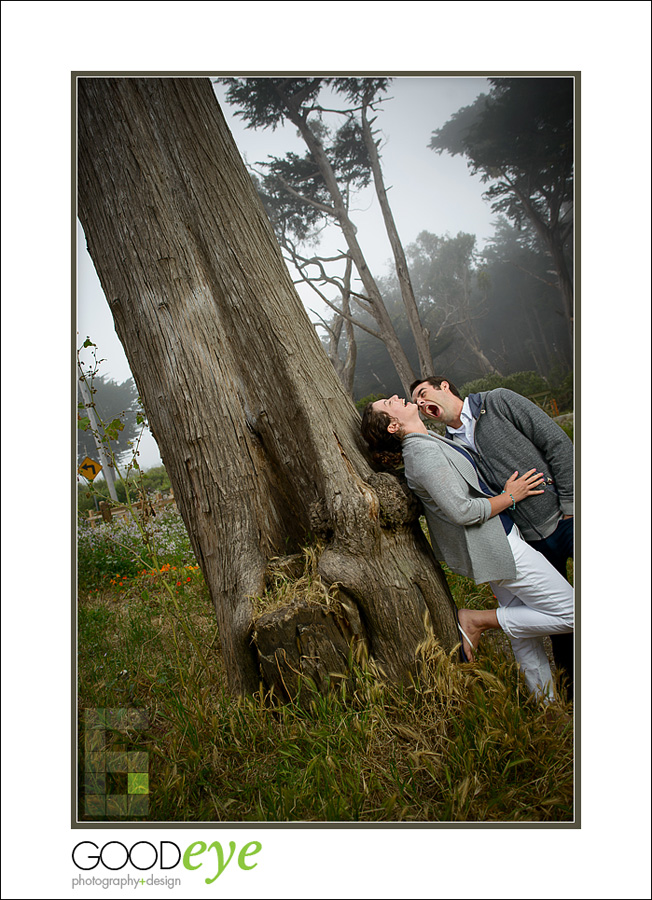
(557, 548)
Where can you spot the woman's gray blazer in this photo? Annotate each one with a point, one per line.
(457, 510)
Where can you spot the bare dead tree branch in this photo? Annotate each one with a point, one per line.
(328, 210)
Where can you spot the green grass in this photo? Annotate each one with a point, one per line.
(461, 743)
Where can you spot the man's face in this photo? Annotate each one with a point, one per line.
(437, 402)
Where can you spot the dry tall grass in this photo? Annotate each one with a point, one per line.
(461, 743)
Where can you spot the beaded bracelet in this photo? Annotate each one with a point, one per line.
(513, 506)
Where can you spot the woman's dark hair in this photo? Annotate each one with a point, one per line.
(385, 447)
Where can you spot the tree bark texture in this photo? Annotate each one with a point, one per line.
(306, 641)
(345, 368)
(257, 434)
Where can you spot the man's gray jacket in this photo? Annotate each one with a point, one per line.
(457, 510)
(513, 434)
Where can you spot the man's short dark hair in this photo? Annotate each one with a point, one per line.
(435, 381)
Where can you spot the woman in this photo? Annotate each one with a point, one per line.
(472, 532)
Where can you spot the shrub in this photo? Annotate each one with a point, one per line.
(567, 427)
(562, 390)
(117, 549)
(525, 383)
(557, 387)
(370, 398)
(155, 479)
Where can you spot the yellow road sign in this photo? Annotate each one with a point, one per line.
(89, 468)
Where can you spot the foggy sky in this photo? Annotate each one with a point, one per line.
(426, 191)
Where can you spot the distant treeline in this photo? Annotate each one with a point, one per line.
(495, 312)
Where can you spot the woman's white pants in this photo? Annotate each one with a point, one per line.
(538, 601)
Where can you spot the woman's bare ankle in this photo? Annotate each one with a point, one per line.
(475, 622)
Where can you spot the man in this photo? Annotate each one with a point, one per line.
(470, 531)
(508, 433)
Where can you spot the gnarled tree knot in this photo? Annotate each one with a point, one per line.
(398, 505)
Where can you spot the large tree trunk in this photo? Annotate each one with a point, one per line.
(345, 368)
(255, 430)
